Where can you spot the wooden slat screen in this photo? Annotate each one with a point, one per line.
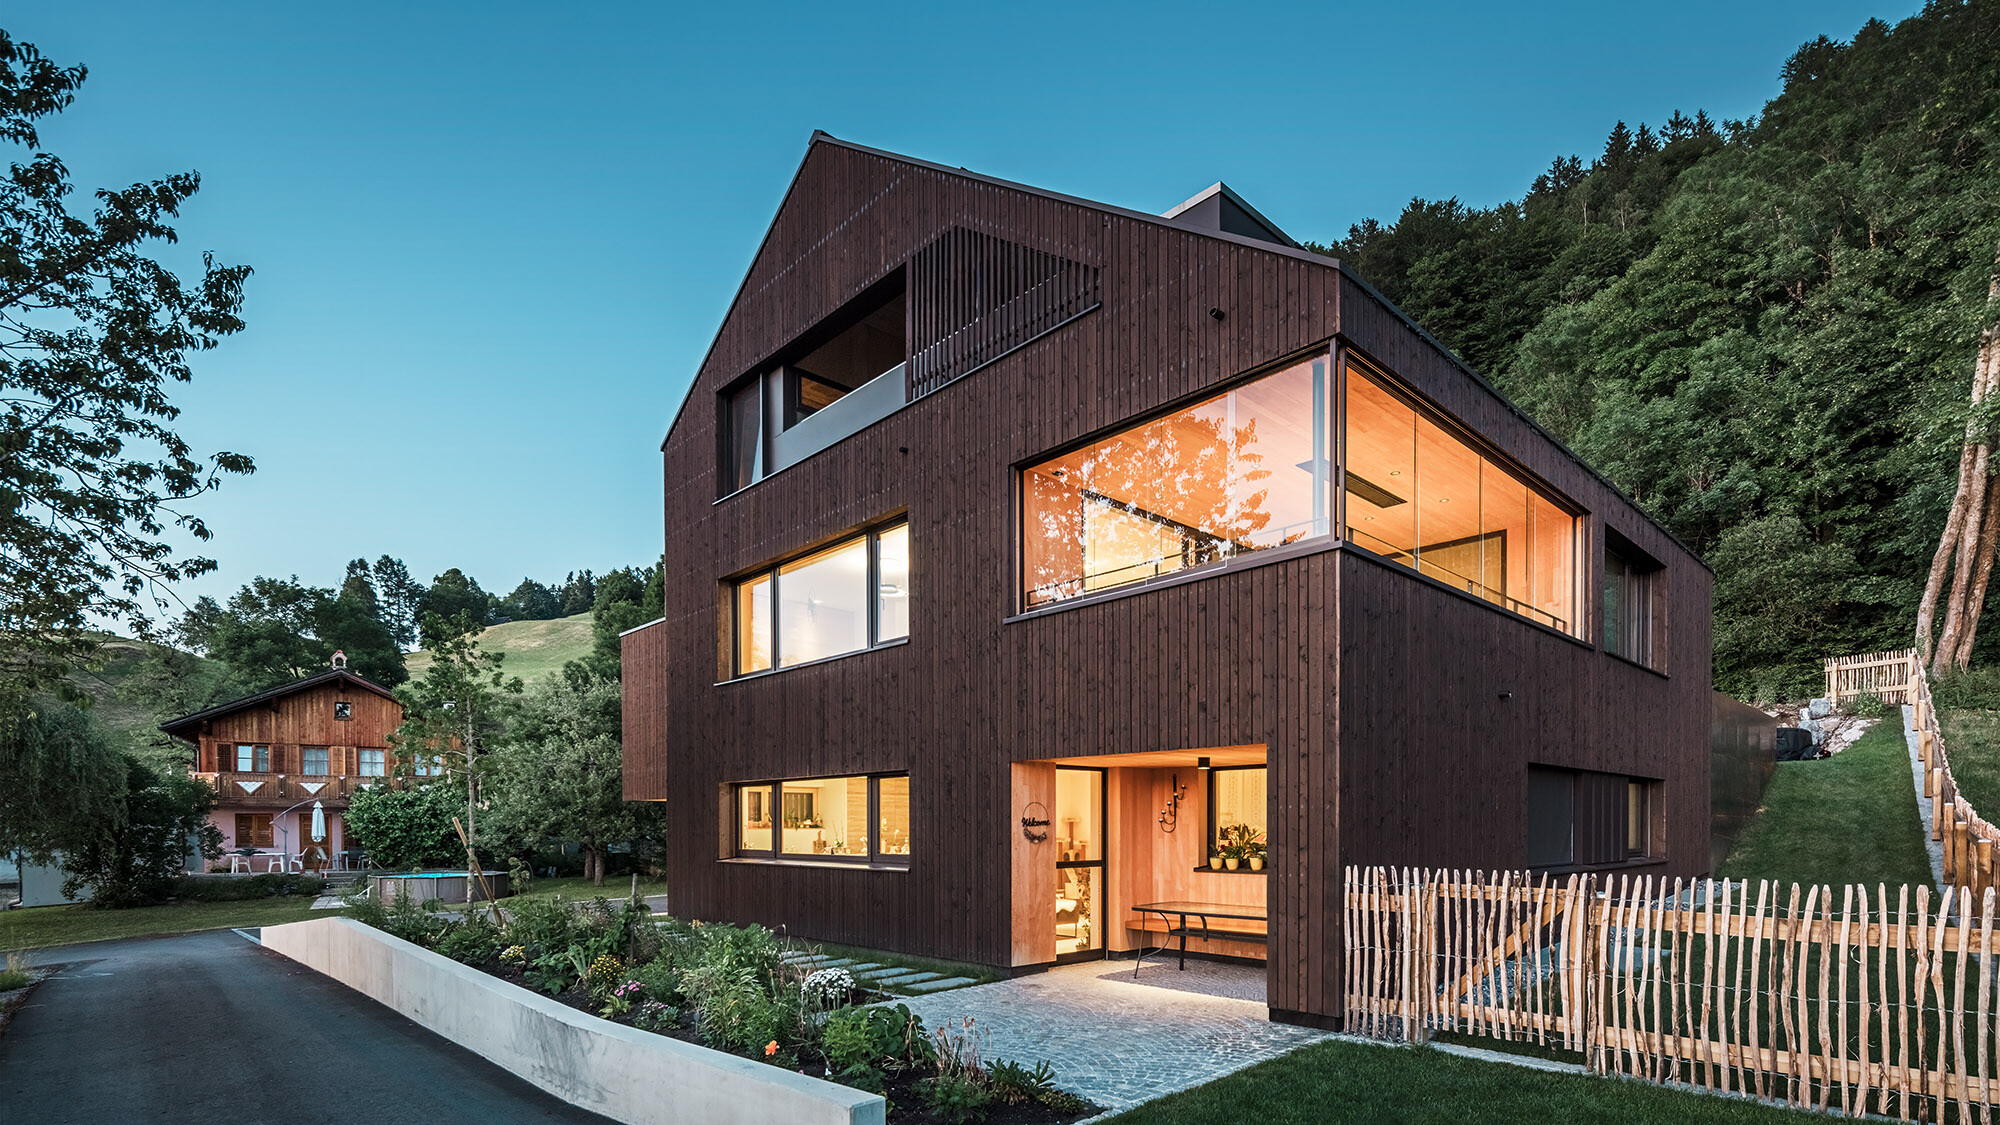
(974, 297)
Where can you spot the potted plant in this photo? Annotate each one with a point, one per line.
(1215, 861)
(1254, 852)
(1232, 856)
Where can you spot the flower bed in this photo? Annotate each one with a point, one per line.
(730, 988)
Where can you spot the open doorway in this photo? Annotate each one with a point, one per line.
(1079, 853)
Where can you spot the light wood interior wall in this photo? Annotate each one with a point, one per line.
(1033, 866)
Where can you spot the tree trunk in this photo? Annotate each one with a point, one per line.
(1966, 540)
(594, 860)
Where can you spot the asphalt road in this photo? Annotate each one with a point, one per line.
(210, 1028)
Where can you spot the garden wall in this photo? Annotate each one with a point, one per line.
(621, 1072)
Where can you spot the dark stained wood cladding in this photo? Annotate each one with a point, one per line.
(645, 725)
(974, 297)
(1253, 655)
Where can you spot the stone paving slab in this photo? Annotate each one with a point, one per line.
(939, 985)
(1113, 1041)
(904, 976)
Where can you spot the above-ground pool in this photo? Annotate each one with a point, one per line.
(441, 886)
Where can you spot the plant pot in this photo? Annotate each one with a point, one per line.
(1215, 863)
(1231, 862)
(1256, 863)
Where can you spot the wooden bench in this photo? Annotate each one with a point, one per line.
(1205, 913)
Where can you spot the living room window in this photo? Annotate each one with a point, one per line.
(845, 598)
(859, 819)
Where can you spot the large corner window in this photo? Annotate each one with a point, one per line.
(864, 819)
(844, 598)
(1631, 582)
(1585, 818)
(1419, 495)
(1245, 470)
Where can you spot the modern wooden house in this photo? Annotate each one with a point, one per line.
(270, 756)
(1026, 546)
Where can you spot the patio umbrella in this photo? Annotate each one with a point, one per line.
(318, 822)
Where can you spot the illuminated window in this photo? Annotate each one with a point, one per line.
(826, 818)
(1236, 801)
(1419, 495)
(841, 599)
(1243, 471)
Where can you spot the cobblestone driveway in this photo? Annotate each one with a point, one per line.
(1115, 1041)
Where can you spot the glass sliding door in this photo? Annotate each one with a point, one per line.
(1078, 835)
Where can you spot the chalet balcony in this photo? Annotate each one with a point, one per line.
(272, 790)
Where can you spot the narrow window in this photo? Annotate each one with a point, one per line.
(892, 590)
(1551, 817)
(371, 763)
(742, 435)
(1631, 582)
(314, 762)
(753, 625)
(755, 832)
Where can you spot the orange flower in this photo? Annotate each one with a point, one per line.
(770, 1048)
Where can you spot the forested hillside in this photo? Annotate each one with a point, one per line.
(1764, 331)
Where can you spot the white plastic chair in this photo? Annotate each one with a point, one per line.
(239, 865)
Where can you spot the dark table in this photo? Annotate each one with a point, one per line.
(1206, 912)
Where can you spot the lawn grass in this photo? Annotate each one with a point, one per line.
(535, 649)
(42, 926)
(576, 888)
(1851, 818)
(1972, 742)
(1355, 1082)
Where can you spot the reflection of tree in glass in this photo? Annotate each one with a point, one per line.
(1198, 468)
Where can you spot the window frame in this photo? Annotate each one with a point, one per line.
(306, 761)
(260, 757)
(1383, 376)
(1210, 844)
(776, 853)
(381, 762)
(270, 833)
(1642, 575)
(871, 537)
(1581, 782)
(1328, 392)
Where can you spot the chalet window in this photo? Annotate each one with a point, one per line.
(371, 763)
(843, 819)
(1242, 471)
(1585, 818)
(253, 830)
(1236, 797)
(314, 762)
(845, 598)
(1420, 495)
(1631, 582)
(253, 759)
(427, 765)
(343, 710)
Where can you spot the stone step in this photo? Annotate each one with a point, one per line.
(904, 978)
(939, 985)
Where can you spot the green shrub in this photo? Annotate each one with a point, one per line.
(238, 888)
(957, 1097)
(660, 980)
(1971, 689)
(474, 941)
(1868, 706)
(542, 924)
(1014, 1084)
(11, 979)
(862, 1044)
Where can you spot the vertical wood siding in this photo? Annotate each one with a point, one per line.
(1255, 655)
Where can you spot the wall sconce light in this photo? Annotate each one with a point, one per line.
(1170, 816)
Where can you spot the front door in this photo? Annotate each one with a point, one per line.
(1077, 833)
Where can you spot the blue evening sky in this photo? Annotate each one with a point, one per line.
(493, 240)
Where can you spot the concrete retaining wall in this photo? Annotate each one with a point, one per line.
(626, 1074)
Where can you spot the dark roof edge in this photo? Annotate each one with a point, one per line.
(820, 136)
(1523, 415)
(284, 689)
(1229, 193)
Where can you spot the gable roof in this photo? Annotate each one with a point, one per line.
(181, 727)
(1216, 207)
(1281, 244)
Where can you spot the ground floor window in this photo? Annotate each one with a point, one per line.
(1587, 818)
(1236, 811)
(253, 830)
(860, 819)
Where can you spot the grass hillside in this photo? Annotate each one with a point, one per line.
(1851, 818)
(132, 723)
(534, 648)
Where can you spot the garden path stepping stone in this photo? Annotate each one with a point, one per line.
(902, 981)
(939, 985)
